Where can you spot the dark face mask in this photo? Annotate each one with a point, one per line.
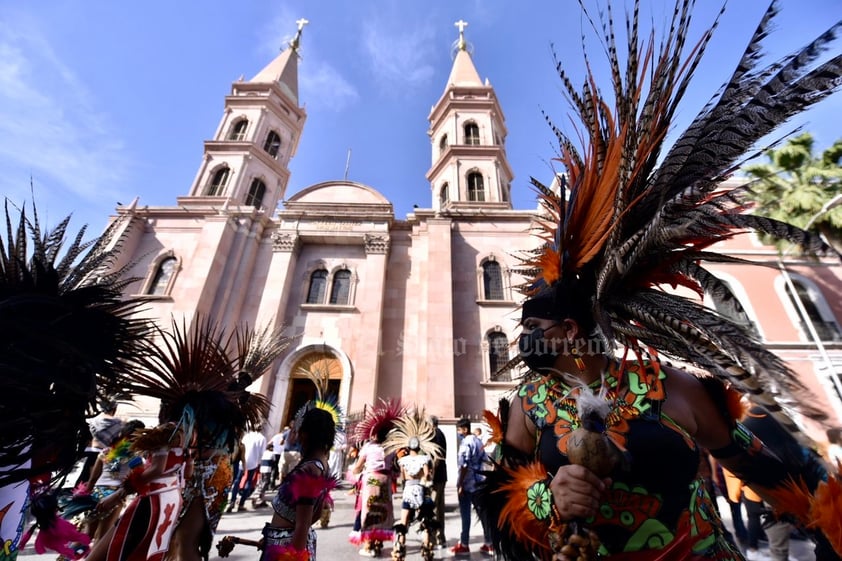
(537, 351)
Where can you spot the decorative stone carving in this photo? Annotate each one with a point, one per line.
(376, 243)
(285, 241)
(334, 225)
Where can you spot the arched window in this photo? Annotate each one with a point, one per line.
(318, 283)
(492, 281)
(443, 144)
(498, 356)
(272, 144)
(238, 131)
(161, 281)
(825, 325)
(219, 181)
(471, 133)
(255, 194)
(444, 195)
(476, 187)
(340, 289)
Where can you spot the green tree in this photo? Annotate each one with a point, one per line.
(795, 184)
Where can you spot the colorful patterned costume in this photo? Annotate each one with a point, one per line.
(651, 501)
(145, 529)
(14, 500)
(115, 468)
(290, 495)
(210, 484)
(377, 514)
(200, 373)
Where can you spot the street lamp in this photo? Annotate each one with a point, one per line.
(802, 311)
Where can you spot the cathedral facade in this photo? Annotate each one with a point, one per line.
(422, 307)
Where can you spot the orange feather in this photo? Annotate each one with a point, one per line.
(496, 426)
(791, 498)
(818, 511)
(734, 403)
(516, 514)
(824, 514)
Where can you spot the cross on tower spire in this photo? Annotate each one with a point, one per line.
(296, 41)
(461, 24)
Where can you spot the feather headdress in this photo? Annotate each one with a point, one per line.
(379, 419)
(200, 374)
(329, 404)
(67, 338)
(628, 222)
(413, 425)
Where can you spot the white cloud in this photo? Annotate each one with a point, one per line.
(49, 126)
(400, 58)
(322, 85)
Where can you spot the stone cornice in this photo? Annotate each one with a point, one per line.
(473, 153)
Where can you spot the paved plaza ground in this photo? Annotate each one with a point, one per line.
(333, 541)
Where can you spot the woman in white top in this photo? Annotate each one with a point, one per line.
(376, 495)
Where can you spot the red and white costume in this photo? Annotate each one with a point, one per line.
(144, 531)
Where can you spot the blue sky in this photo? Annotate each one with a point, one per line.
(103, 101)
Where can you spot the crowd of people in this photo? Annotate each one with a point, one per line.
(395, 444)
(139, 473)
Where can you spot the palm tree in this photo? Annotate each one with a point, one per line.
(794, 185)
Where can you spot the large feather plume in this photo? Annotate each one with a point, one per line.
(378, 419)
(67, 338)
(626, 222)
(200, 374)
(329, 404)
(414, 423)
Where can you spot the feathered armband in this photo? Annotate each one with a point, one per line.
(817, 511)
(529, 511)
(306, 488)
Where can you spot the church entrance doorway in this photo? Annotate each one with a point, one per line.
(314, 375)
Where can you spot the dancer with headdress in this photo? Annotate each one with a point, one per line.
(375, 467)
(306, 489)
(201, 375)
(290, 536)
(145, 528)
(66, 339)
(413, 440)
(108, 473)
(601, 447)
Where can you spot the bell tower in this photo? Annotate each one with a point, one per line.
(247, 161)
(467, 135)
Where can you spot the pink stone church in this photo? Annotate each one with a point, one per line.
(421, 307)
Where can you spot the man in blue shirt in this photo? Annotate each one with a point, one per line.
(470, 460)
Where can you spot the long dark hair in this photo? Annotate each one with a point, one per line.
(317, 431)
